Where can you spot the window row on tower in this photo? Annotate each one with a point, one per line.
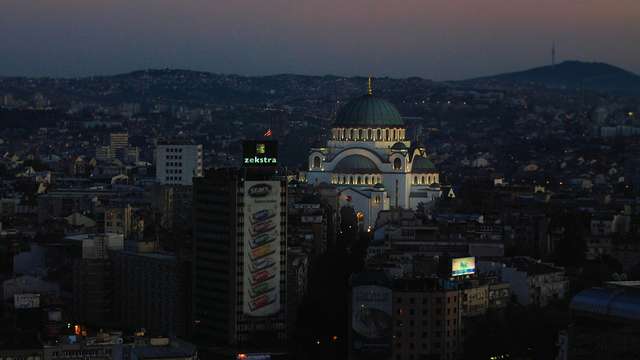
(425, 179)
(355, 134)
(356, 179)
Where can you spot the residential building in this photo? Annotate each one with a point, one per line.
(93, 278)
(119, 220)
(151, 291)
(119, 141)
(178, 162)
(532, 282)
(310, 223)
(427, 320)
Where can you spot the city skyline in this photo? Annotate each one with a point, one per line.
(432, 39)
(308, 180)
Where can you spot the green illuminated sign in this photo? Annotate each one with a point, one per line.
(260, 153)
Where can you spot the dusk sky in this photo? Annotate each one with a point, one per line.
(437, 39)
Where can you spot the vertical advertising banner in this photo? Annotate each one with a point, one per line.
(261, 248)
(371, 322)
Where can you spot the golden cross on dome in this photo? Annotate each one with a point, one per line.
(370, 86)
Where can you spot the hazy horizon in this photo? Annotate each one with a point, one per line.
(277, 74)
(433, 39)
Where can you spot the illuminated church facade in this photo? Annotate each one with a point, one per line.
(371, 161)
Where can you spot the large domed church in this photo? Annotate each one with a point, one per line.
(371, 161)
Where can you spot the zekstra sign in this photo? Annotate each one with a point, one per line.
(257, 160)
(260, 153)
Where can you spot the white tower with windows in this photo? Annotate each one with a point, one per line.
(178, 162)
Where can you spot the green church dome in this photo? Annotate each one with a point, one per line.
(369, 112)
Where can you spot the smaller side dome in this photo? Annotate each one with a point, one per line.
(422, 164)
(399, 146)
(356, 164)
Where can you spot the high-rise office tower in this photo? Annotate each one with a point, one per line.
(240, 252)
(178, 162)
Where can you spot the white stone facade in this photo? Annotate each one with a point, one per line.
(374, 168)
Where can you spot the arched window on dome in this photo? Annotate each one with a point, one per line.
(350, 180)
(415, 179)
(422, 180)
(369, 134)
(350, 135)
(379, 136)
(386, 136)
(316, 162)
(397, 164)
(366, 180)
(359, 134)
(358, 180)
(395, 135)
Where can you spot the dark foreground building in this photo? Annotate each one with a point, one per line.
(605, 323)
(240, 258)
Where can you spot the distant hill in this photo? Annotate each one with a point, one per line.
(573, 75)
(177, 86)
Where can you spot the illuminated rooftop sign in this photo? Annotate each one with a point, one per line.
(463, 266)
(260, 153)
